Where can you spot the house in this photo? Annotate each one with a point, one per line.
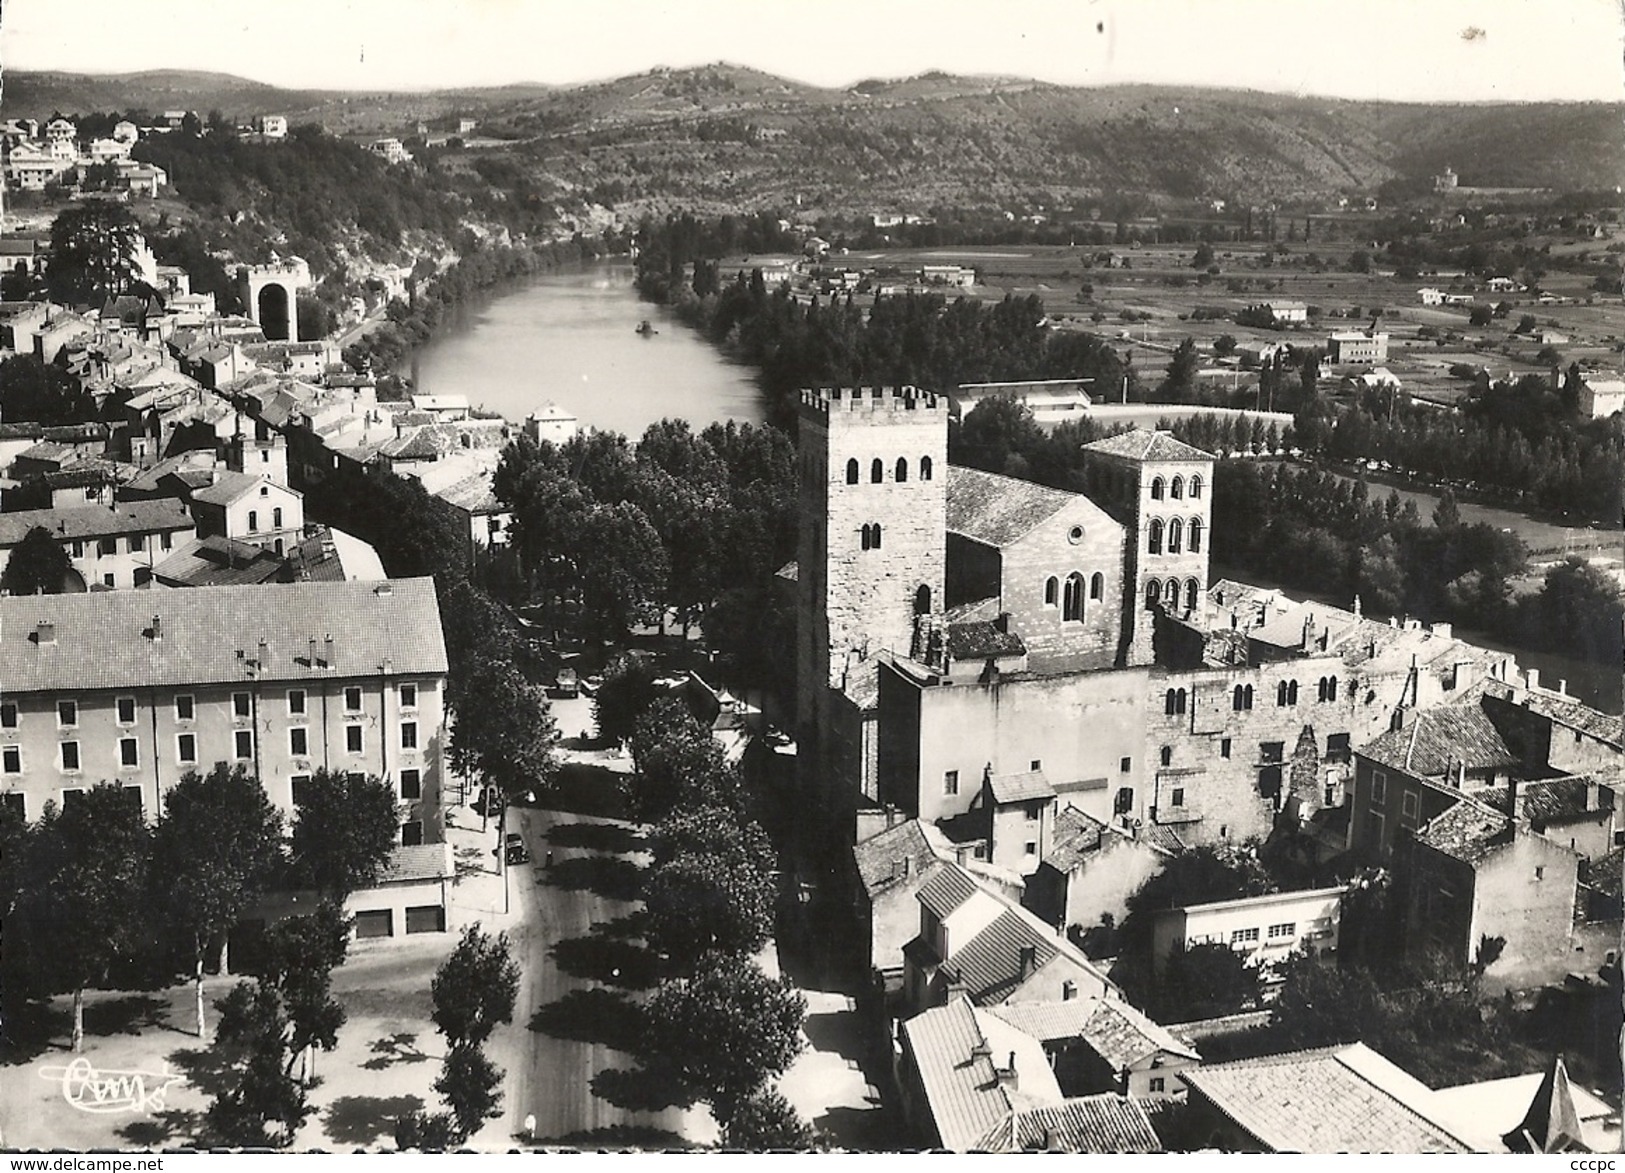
(249, 507)
(552, 424)
(31, 168)
(1104, 1045)
(1090, 871)
(390, 149)
(442, 407)
(220, 561)
(1051, 401)
(141, 687)
(956, 276)
(272, 125)
(110, 547)
(1502, 285)
(1356, 346)
(1601, 398)
(970, 1082)
(1379, 379)
(1340, 1099)
(1282, 312)
(892, 863)
(991, 948)
(1265, 929)
(1430, 296)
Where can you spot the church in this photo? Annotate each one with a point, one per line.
(981, 652)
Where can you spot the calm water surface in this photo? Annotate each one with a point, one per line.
(570, 338)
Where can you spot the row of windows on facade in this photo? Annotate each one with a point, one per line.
(1157, 592)
(1175, 700)
(242, 705)
(1070, 599)
(877, 470)
(409, 784)
(1273, 753)
(107, 547)
(129, 755)
(1175, 489)
(1279, 933)
(1173, 536)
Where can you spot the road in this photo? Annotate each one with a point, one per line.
(553, 1076)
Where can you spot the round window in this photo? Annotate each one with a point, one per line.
(1075, 534)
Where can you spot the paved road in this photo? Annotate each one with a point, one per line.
(553, 1076)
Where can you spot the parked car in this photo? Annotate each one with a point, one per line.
(514, 848)
(567, 683)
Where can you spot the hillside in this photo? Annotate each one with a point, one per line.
(728, 136)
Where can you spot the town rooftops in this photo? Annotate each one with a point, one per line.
(1468, 831)
(414, 865)
(132, 639)
(83, 522)
(1265, 901)
(955, 1062)
(1340, 1099)
(1115, 1030)
(219, 561)
(998, 510)
(947, 890)
(1104, 1123)
(1439, 740)
(229, 487)
(1021, 787)
(981, 640)
(1076, 838)
(1497, 1113)
(1140, 445)
(896, 855)
(1572, 713)
(1575, 798)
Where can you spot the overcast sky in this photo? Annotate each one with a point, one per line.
(1458, 50)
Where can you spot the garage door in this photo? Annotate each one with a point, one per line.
(426, 918)
(376, 923)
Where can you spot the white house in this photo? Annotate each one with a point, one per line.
(1601, 398)
(1268, 929)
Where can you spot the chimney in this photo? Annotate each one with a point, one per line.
(310, 660)
(1029, 960)
(1442, 630)
(1512, 797)
(1593, 793)
(383, 590)
(327, 652)
(1308, 632)
(1461, 775)
(1002, 623)
(264, 654)
(157, 629)
(45, 633)
(980, 1050)
(1532, 677)
(1008, 1076)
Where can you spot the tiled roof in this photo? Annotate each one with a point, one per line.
(1606, 875)
(472, 494)
(82, 522)
(1105, 1123)
(426, 861)
(1342, 1099)
(231, 486)
(1022, 787)
(955, 1066)
(1122, 1035)
(1573, 713)
(880, 858)
(1163, 838)
(1552, 800)
(1139, 444)
(104, 639)
(977, 641)
(1467, 831)
(1440, 739)
(990, 962)
(997, 510)
(1075, 839)
(947, 890)
(218, 561)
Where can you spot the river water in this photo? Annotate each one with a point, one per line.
(571, 338)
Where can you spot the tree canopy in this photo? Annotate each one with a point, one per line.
(344, 831)
(38, 565)
(93, 252)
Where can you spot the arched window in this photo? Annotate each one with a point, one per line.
(1072, 601)
(1168, 702)
(1176, 535)
(1052, 591)
(1195, 543)
(1156, 489)
(925, 468)
(1292, 692)
(1167, 755)
(876, 528)
(1196, 488)
(1097, 586)
(1176, 489)
(1328, 688)
(1154, 542)
(1247, 692)
(1172, 594)
(868, 536)
(1236, 698)
(1124, 802)
(1241, 699)
(902, 470)
(1179, 700)
(877, 471)
(276, 519)
(1153, 593)
(1191, 591)
(852, 471)
(922, 600)
(1280, 693)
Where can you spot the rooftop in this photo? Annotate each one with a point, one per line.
(1139, 444)
(83, 522)
(219, 561)
(881, 858)
(947, 890)
(1439, 740)
(982, 640)
(997, 510)
(1105, 1123)
(1118, 1033)
(1022, 787)
(131, 639)
(1468, 831)
(1340, 1099)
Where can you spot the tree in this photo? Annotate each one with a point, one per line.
(258, 1089)
(720, 1035)
(213, 850)
(38, 565)
(994, 436)
(700, 901)
(1205, 981)
(344, 831)
(1224, 344)
(427, 1131)
(34, 391)
(504, 728)
(475, 989)
(93, 252)
(1447, 514)
(1480, 315)
(301, 954)
(1181, 380)
(1319, 1004)
(677, 763)
(1359, 261)
(621, 567)
(1203, 257)
(627, 691)
(471, 1086)
(88, 869)
(765, 1122)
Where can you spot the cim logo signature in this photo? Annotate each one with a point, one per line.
(90, 1090)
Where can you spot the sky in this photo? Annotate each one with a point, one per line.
(1400, 50)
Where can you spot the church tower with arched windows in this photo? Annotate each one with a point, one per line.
(1162, 489)
(870, 558)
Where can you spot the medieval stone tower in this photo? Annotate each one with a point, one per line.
(873, 477)
(1162, 490)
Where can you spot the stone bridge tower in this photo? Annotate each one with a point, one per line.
(271, 293)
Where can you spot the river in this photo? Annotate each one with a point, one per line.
(570, 338)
